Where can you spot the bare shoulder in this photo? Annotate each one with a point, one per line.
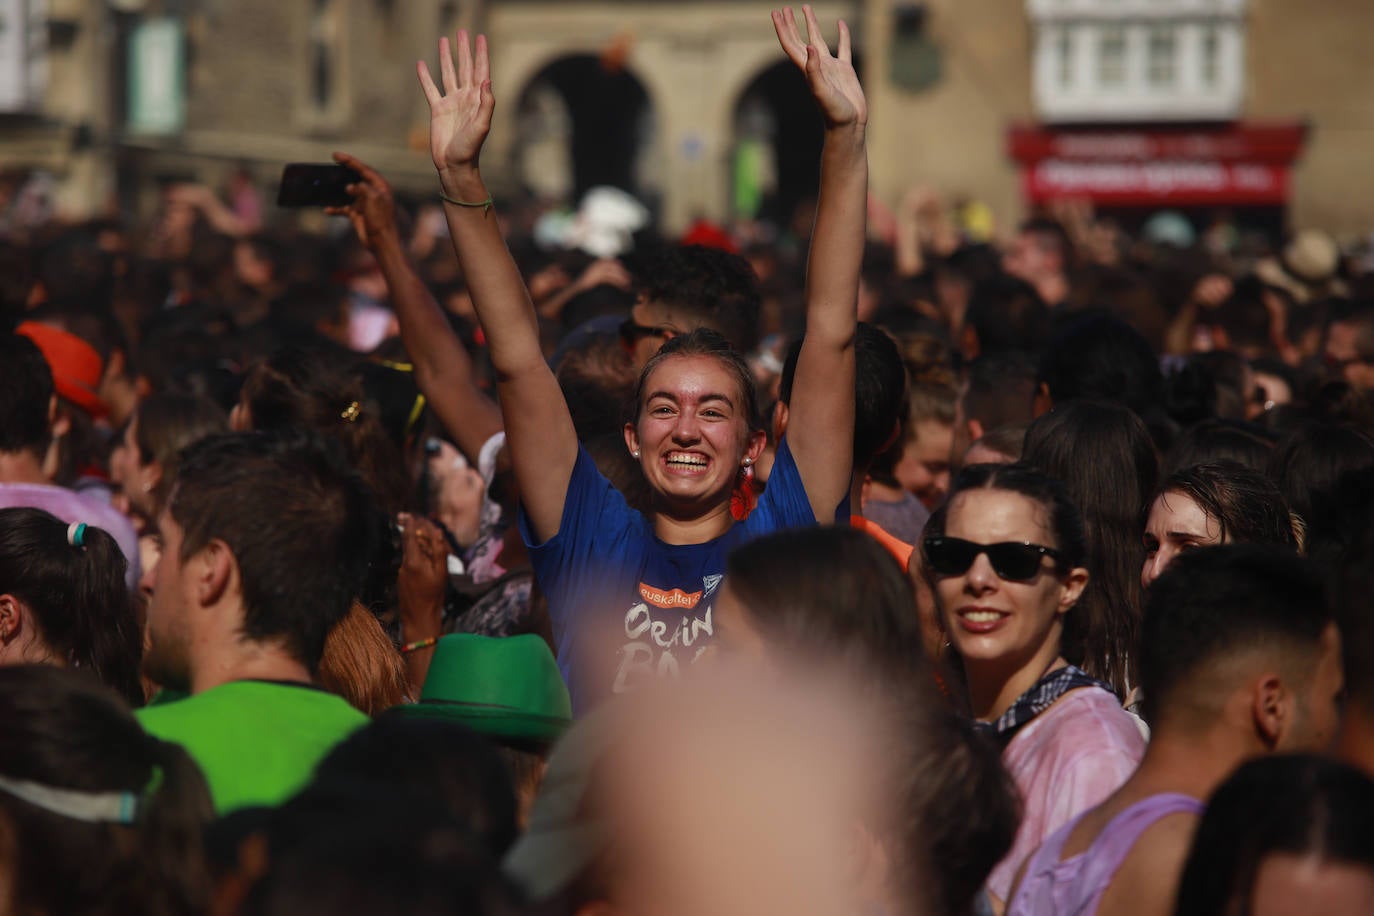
(1148, 878)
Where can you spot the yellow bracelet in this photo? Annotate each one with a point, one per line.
(484, 204)
(418, 645)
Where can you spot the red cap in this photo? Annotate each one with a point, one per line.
(710, 235)
(76, 367)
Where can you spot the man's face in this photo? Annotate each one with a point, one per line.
(167, 640)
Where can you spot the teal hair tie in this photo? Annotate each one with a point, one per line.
(76, 534)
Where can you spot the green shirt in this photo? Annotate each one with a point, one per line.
(257, 742)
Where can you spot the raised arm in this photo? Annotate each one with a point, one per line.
(821, 426)
(539, 430)
(443, 369)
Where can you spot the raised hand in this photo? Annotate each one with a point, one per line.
(460, 116)
(373, 211)
(832, 79)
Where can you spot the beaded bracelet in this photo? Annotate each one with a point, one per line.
(484, 204)
(418, 645)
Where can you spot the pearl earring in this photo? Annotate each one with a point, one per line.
(636, 453)
(748, 461)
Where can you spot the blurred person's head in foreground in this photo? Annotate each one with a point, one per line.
(1286, 834)
(99, 816)
(64, 601)
(835, 597)
(1211, 504)
(784, 814)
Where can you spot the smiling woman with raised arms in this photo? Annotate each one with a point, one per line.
(631, 596)
(1007, 565)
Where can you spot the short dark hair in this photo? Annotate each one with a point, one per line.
(1099, 356)
(24, 396)
(300, 524)
(1301, 805)
(1008, 316)
(443, 763)
(1246, 505)
(1311, 462)
(717, 288)
(880, 389)
(1221, 600)
(167, 423)
(712, 344)
(999, 390)
(1217, 441)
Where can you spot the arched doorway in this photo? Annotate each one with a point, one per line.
(586, 121)
(777, 151)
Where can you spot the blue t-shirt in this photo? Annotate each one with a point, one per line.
(627, 607)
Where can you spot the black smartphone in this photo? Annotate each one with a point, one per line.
(310, 184)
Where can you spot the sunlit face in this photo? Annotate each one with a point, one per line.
(991, 619)
(692, 436)
(923, 468)
(1176, 524)
(1287, 883)
(166, 658)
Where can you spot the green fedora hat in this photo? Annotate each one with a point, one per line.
(507, 687)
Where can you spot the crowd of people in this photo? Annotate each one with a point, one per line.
(870, 567)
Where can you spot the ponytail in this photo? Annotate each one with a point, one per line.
(71, 577)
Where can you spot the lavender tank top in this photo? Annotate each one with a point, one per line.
(1074, 886)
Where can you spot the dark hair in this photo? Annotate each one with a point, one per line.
(715, 287)
(300, 524)
(1245, 504)
(25, 396)
(1309, 464)
(1099, 356)
(62, 731)
(598, 381)
(443, 764)
(880, 389)
(1215, 441)
(1008, 316)
(1221, 600)
(77, 596)
(75, 271)
(999, 390)
(1347, 552)
(1299, 805)
(828, 589)
(305, 388)
(166, 424)
(1008, 440)
(831, 592)
(1103, 454)
(709, 343)
(354, 848)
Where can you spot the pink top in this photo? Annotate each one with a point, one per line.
(1065, 761)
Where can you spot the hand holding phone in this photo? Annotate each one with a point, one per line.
(309, 184)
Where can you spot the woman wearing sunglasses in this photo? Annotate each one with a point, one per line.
(1007, 562)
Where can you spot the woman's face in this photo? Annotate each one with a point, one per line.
(993, 619)
(693, 434)
(1176, 523)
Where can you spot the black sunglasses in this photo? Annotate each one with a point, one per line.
(1010, 560)
(631, 332)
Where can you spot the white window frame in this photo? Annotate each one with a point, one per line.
(1189, 96)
